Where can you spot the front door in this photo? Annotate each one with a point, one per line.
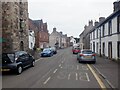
(103, 49)
(110, 50)
(118, 46)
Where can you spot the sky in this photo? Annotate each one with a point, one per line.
(69, 16)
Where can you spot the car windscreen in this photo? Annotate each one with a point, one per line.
(19, 53)
(7, 58)
(87, 52)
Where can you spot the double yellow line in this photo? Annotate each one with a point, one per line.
(103, 87)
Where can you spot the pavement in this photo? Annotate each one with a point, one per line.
(108, 69)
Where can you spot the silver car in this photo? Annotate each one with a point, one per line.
(86, 55)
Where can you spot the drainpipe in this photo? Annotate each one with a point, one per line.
(100, 41)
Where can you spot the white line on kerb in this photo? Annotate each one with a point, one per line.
(60, 65)
(87, 76)
(47, 80)
(55, 70)
(76, 76)
(68, 76)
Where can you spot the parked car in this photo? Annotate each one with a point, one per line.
(47, 52)
(54, 50)
(16, 61)
(86, 55)
(76, 50)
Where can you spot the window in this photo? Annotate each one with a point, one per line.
(118, 24)
(103, 30)
(109, 27)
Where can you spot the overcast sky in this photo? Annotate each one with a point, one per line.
(69, 16)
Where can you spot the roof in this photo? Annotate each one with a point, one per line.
(117, 13)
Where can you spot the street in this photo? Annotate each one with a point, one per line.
(59, 71)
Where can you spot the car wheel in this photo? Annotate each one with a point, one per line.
(79, 61)
(33, 64)
(94, 62)
(77, 58)
(19, 69)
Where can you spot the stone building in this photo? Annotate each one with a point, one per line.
(85, 37)
(14, 26)
(55, 39)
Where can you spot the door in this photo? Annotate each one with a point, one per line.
(29, 59)
(22, 58)
(118, 50)
(110, 50)
(103, 49)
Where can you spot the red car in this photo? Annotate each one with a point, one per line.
(76, 50)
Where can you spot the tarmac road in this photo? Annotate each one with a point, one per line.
(59, 71)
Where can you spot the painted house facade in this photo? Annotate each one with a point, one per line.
(31, 34)
(105, 37)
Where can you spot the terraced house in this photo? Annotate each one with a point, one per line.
(105, 37)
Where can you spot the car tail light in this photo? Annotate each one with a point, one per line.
(81, 55)
(93, 55)
(16, 58)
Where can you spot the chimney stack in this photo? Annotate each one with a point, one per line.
(54, 29)
(116, 5)
(61, 33)
(101, 19)
(91, 23)
(96, 23)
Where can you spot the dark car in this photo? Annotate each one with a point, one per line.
(76, 50)
(47, 52)
(86, 55)
(54, 50)
(16, 61)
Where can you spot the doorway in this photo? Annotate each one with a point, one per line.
(21, 46)
(118, 50)
(103, 49)
(110, 50)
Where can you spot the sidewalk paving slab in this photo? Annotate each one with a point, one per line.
(109, 69)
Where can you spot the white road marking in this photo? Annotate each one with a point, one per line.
(69, 77)
(47, 73)
(60, 65)
(77, 67)
(55, 70)
(62, 61)
(87, 76)
(76, 76)
(47, 80)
